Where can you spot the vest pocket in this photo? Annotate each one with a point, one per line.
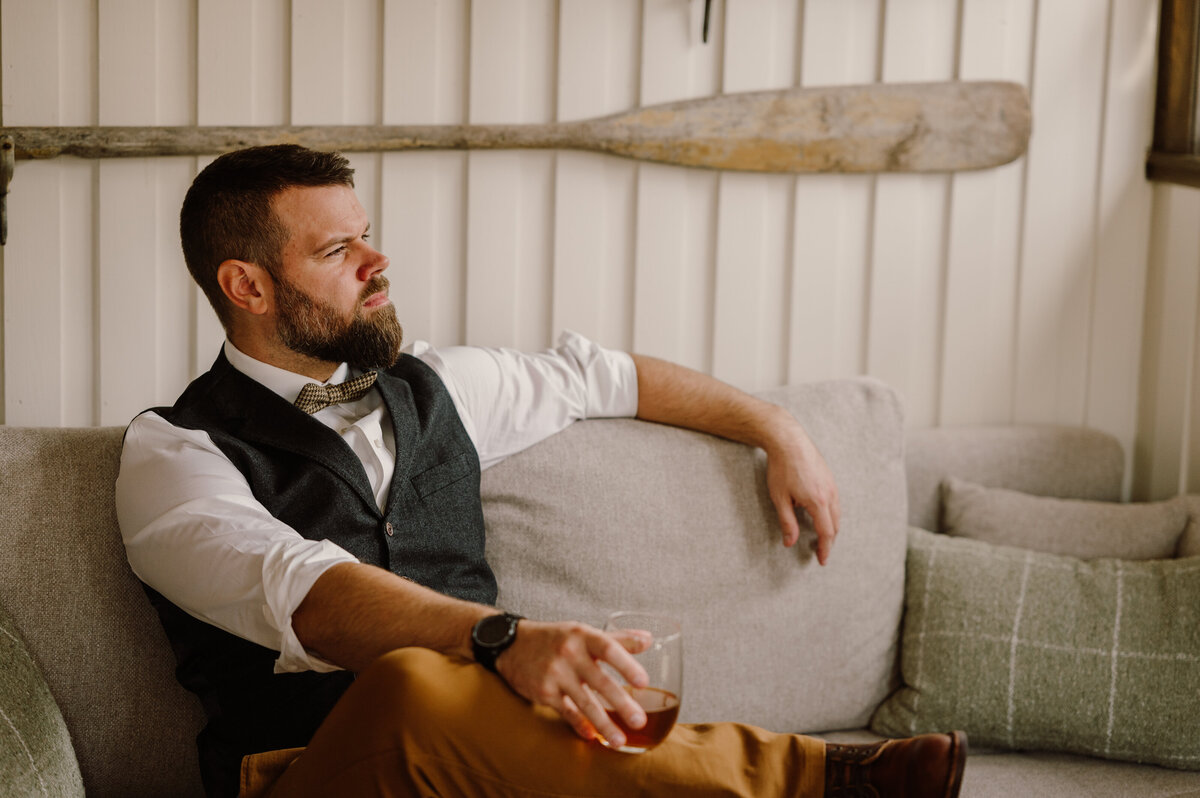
(441, 475)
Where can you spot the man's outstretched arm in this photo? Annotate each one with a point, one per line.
(797, 475)
(355, 613)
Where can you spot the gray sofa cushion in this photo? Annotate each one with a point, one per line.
(600, 517)
(36, 756)
(1068, 462)
(1074, 527)
(66, 582)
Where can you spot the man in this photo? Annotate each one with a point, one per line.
(287, 542)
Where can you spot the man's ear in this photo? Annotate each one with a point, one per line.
(246, 285)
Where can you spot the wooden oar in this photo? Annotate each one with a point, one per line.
(920, 127)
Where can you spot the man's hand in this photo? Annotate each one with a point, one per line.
(797, 476)
(558, 665)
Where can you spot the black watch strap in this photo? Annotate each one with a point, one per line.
(492, 636)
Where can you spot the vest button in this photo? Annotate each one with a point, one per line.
(388, 529)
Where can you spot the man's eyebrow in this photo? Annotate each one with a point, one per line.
(342, 239)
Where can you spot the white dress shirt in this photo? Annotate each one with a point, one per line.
(194, 532)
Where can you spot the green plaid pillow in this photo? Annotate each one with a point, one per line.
(36, 756)
(1040, 651)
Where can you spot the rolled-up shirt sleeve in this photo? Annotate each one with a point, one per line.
(194, 532)
(509, 400)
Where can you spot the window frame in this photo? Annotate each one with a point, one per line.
(1175, 152)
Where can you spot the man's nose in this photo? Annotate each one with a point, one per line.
(373, 263)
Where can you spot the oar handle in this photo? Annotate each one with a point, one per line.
(141, 142)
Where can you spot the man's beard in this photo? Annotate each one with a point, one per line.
(317, 329)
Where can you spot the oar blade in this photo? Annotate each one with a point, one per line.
(919, 127)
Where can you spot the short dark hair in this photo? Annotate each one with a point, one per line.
(227, 212)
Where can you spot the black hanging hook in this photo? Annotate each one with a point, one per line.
(7, 151)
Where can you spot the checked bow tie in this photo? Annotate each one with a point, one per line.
(314, 397)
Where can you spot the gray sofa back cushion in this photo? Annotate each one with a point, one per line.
(619, 514)
(70, 592)
(1047, 460)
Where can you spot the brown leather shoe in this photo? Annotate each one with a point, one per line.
(929, 766)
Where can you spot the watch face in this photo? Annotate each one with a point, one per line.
(492, 631)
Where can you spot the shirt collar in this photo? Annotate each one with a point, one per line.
(283, 382)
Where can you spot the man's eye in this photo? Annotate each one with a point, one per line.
(336, 252)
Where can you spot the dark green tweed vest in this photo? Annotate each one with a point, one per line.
(307, 477)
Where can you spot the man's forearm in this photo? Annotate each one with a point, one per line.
(672, 394)
(354, 613)
(797, 475)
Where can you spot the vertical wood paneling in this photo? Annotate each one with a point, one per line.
(175, 300)
(77, 355)
(319, 62)
(34, 391)
(1191, 478)
(362, 38)
(1059, 243)
(750, 333)
(76, 211)
(676, 208)
(594, 212)
(754, 213)
(509, 194)
(31, 63)
(1170, 340)
(840, 45)
(1010, 294)
(422, 232)
(175, 58)
(243, 59)
(128, 191)
(242, 64)
(49, 52)
(984, 236)
(1190, 482)
(335, 74)
(225, 86)
(424, 62)
(271, 62)
(908, 245)
(422, 214)
(594, 196)
(1122, 223)
(673, 285)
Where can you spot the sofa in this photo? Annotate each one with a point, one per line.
(623, 514)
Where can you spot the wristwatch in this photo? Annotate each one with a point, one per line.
(492, 635)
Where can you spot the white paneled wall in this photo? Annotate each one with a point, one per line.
(1060, 288)
(1168, 454)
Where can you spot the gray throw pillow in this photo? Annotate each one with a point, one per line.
(36, 756)
(1073, 527)
(1025, 650)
